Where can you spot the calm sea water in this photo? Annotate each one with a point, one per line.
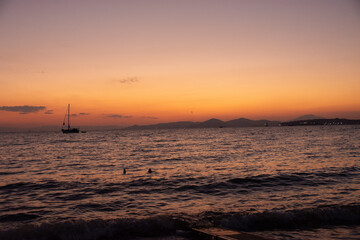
(281, 182)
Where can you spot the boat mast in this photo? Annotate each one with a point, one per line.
(68, 116)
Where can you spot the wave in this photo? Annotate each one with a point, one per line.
(308, 218)
(297, 178)
(192, 184)
(129, 228)
(125, 228)
(11, 173)
(18, 217)
(259, 182)
(44, 185)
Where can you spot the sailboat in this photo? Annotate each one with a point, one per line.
(68, 129)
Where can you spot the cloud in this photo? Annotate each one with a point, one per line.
(23, 109)
(118, 116)
(49, 112)
(79, 114)
(149, 117)
(128, 80)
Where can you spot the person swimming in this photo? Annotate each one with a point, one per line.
(149, 171)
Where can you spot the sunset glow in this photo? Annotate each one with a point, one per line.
(143, 62)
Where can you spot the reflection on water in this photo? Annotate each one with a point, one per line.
(196, 174)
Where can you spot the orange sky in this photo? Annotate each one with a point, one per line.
(149, 61)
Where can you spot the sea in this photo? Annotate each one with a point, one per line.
(300, 182)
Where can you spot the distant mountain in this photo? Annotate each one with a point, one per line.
(244, 122)
(240, 122)
(307, 117)
(211, 123)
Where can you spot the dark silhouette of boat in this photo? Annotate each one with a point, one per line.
(68, 129)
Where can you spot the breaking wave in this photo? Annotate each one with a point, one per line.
(322, 216)
(128, 228)
(93, 229)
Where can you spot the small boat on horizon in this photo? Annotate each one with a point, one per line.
(68, 129)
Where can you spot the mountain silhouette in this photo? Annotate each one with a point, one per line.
(211, 123)
(307, 117)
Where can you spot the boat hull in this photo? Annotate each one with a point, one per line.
(70, 130)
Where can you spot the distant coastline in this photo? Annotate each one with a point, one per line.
(211, 123)
(243, 122)
(323, 121)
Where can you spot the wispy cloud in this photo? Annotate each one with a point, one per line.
(49, 112)
(23, 109)
(118, 116)
(79, 114)
(128, 80)
(149, 117)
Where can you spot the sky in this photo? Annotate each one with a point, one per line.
(149, 61)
